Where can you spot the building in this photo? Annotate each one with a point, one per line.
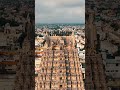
(95, 78)
(60, 65)
(25, 72)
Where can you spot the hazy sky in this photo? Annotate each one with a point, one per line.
(60, 11)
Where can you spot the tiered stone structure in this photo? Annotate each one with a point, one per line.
(25, 69)
(25, 73)
(60, 65)
(94, 74)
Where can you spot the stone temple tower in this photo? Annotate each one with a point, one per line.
(25, 68)
(25, 73)
(60, 67)
(94, 73)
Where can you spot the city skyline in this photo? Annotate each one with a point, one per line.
(55, 11)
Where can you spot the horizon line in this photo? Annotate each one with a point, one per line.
(59, 23)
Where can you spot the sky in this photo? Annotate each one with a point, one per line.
(59, 11)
